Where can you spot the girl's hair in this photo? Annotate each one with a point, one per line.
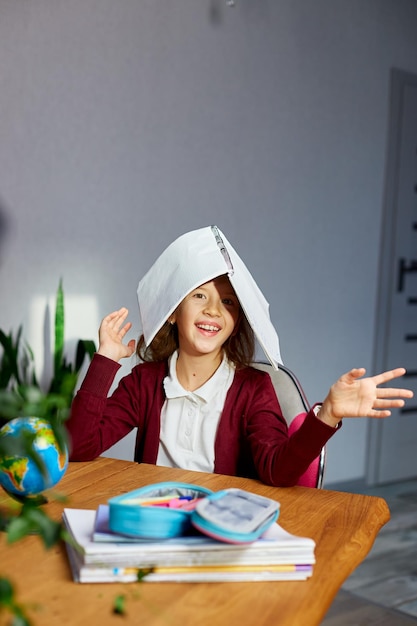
(239, 348)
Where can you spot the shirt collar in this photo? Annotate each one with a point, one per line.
(173, 389)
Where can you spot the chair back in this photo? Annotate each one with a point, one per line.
(294, 406)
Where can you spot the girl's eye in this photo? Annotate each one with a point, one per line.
(198, 295)
(228, 302)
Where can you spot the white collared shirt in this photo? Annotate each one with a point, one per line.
(189, 419)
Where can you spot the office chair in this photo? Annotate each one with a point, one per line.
(294, 405)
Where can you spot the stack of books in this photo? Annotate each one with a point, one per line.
(97, 555)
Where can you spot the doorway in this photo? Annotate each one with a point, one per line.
(392, 443)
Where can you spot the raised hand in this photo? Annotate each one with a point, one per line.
(355, 396)
(111, 334)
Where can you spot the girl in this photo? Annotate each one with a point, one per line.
(195, 400)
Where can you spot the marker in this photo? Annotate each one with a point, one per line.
(156, 500)
(177, 503)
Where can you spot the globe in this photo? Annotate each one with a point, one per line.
(20, 475)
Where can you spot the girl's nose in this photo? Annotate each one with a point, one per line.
(212, 307)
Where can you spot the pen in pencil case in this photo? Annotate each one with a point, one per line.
(186, 503)
(175, 503)
(152, 501)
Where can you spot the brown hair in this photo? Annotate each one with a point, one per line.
(239, 348)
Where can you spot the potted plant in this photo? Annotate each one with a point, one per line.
(21, 396)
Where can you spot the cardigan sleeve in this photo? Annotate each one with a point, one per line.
(265, 447)
(97, 422)
(281, 458)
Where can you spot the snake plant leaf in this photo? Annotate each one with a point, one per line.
(9, 363)
(28, 366)
(17, 363)
(85, 347)
(59, 328)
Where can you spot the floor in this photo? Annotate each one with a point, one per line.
(382, 591)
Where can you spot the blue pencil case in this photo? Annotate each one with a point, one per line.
(158, 511)
(172, 509)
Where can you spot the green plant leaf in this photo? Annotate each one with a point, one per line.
(18, 528)
(6, 591)
(119, 605)
(9, 363)
(48, 529)
(59, 330)
(20, 620)
(27, 366)
(33, 520)
(7, 601)
(10, 404)
(17, 362)
(84, 347)
(143, 572)
(17, 446)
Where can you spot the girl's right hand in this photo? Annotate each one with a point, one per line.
(111, 334)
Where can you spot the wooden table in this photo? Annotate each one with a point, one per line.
(343, 525)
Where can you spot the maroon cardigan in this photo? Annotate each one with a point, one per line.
(252, 437)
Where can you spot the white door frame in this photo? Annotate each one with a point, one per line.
(387, 265)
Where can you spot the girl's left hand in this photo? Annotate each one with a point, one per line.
(355, 396)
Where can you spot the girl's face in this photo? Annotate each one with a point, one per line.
(207, 317)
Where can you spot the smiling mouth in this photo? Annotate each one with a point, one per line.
(208, 327)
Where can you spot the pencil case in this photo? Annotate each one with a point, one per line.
(158, 511)
(173, 509)
(235, 515)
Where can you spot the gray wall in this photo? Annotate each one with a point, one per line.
(126, 123)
